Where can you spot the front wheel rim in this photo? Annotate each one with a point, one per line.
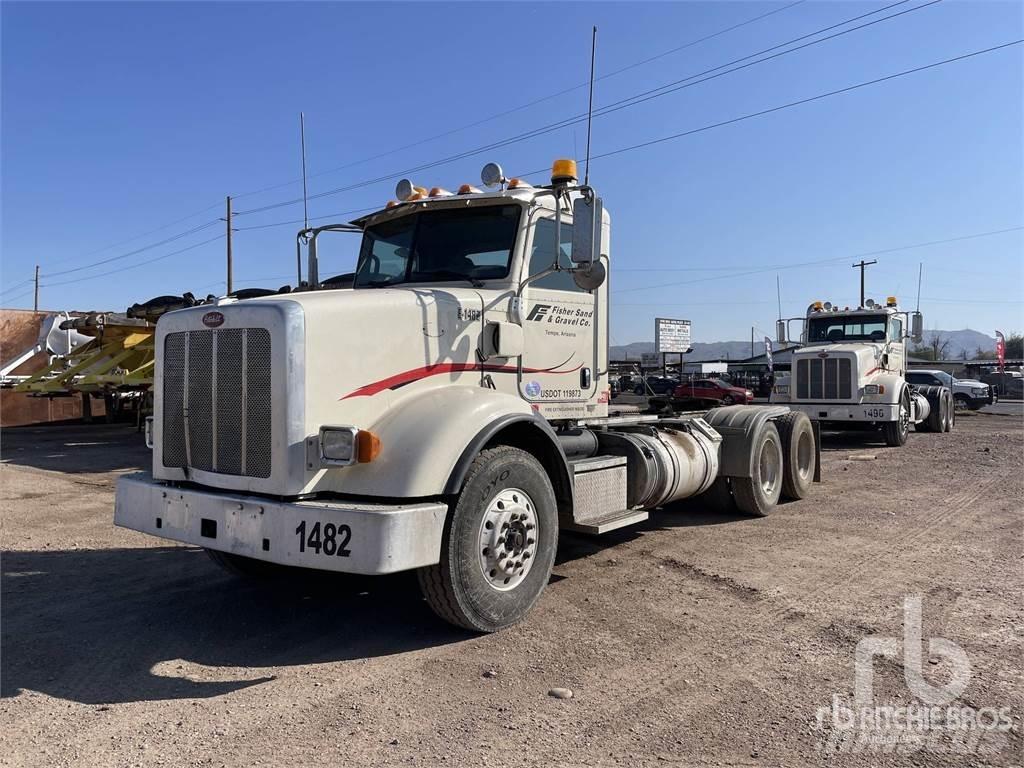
(507, 539)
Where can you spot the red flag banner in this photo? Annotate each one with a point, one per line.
(1000, 349)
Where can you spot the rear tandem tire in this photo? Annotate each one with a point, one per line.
(506, 509)
(758, 494)
(950, 412)
(799, 456)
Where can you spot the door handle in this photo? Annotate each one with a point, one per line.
(585, 378)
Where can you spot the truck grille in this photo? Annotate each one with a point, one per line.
(217, 401)
(828, 378)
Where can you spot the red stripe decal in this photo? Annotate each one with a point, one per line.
(407, 377)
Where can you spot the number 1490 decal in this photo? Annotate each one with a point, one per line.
(331, 540)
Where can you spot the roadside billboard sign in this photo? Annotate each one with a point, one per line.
(671, 335)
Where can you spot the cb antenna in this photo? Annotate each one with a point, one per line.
(920, 266)
(305, 195)
(590, 106)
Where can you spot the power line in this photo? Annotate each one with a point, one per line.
(134, 266)
(136, 251)
(957, 239)
(609, 108)
(16, 286)
(529, 104)
(315, 218)
(139, 236)
(797, 103)
(13, 299)
(834, 259)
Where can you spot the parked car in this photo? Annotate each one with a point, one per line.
(655, 385)
(967, 393)
(1008, 384)
(712, 391)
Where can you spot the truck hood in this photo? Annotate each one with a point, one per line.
(390, 337)
(243, 381)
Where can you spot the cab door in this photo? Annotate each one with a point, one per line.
(558, 365)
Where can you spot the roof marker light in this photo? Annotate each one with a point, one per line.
(469, 189)
(519, 184)
(439, 192)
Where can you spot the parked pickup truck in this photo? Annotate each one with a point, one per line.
(967, 393)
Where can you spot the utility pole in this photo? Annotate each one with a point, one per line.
(862, 264)
(751, 342)
(35, 304)
(228, 220)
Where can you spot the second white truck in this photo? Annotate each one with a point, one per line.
(443, 409)
(850, 372)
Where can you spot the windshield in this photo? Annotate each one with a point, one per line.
(839, 329)
(442, 244)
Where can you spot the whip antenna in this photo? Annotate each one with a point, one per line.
(305, 195)
(590, 106)
(920, 266)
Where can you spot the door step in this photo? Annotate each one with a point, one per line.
(609, 522)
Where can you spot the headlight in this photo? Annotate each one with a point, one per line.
(750, 393)
(782, 389)
(338, 445)
(874, 389)
(342, 446)
(978, 391)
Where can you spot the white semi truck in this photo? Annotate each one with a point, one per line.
(850, 372)
(446, 410)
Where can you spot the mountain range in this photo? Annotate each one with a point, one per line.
(966, 340)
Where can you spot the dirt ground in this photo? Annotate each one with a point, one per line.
(695, 639)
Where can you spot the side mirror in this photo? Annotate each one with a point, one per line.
(780, 331)
(917, 327)
(587, 226)
(590, 277)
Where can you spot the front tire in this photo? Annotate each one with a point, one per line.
(498, 546)
(896, 432)
(250, 567)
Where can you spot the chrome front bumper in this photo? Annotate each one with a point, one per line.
(882, 412)
(352, 537)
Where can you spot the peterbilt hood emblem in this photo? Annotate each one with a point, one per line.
(213, 319)
(820, 354)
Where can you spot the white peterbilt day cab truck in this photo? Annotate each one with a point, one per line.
(850, 372)
(444, 409)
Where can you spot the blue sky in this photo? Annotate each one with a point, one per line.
(121, 118)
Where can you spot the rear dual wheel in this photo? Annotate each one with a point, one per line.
(798, 450)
